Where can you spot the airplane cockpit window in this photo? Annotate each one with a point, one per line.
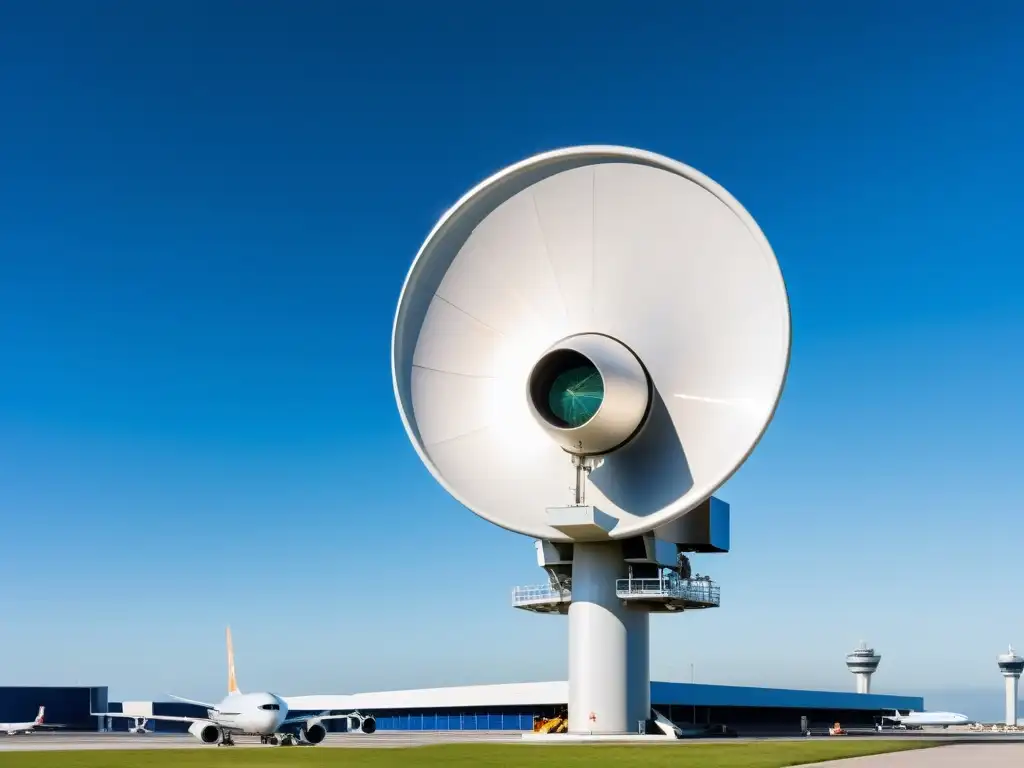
(272, 707)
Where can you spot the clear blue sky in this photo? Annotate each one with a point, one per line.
(206, 214)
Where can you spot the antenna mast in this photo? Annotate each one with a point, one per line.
(584, 466)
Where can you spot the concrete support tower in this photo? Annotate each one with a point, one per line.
(863, 662)
(608, 590)
(1011, 665)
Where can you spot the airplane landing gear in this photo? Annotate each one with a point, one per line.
(284, 741)
(225, 740)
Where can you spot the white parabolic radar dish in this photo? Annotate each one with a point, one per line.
(599, 301)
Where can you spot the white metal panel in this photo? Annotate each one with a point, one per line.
(137, 708)
(548, 554)
(506, 694)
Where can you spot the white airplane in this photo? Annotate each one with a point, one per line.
(254, 714)
(13, 728)
(920, 719)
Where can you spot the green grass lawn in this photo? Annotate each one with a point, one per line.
(757, 755)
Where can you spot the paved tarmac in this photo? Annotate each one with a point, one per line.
(74, 741)
(998, 755)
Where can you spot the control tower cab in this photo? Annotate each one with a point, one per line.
(1011, 665)
(862, 663)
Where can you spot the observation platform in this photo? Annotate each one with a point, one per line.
(863, 660)
(1010, 664)
(667, 595)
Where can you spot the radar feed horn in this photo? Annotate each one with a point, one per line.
(614, 314)
(590, 394)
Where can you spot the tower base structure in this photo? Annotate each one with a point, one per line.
(609, 588)
(609, 674)
(1012, 682)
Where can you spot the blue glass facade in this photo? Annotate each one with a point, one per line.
(740, 696)
(455, 719)
(490, 719)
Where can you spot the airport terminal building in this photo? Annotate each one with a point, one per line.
(494, 708)
(512, 707)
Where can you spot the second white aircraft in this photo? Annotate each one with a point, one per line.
(921, 719)
(254, 714)
(12, 729)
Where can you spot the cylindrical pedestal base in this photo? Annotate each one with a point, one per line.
(863, 683)
(1011, 699)
(598, 646)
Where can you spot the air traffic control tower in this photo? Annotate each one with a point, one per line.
(863, 662)
(1011, 665)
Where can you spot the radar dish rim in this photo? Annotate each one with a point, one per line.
(600, 152)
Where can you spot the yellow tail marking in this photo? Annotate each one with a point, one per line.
(232, 681)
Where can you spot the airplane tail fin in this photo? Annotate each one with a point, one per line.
(39, 717)
(232, 681)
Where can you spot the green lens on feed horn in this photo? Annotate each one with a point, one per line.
(576, 394)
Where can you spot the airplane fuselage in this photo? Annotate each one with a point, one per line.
(26, 727)
(13, 728)
(255, 714)
(923, 719)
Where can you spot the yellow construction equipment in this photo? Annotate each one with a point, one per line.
(557, 724)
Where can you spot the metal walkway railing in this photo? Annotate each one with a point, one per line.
(695, 592)
(540, 593)
(699, 591)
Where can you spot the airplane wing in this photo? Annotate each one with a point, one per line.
(171, 718)
(193, 701)
(322, 716)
